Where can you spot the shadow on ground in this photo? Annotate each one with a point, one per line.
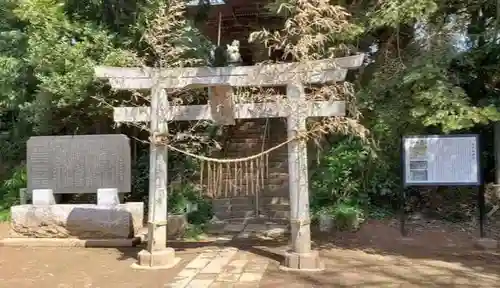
(375, 256)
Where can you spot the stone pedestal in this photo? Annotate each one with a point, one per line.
(302, 261)
(156, 259)
(43, 197)
(107, 197)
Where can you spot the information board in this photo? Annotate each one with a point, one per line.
(441, 160)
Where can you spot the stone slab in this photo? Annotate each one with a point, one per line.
(244, 235)
(217, 264)
(234, 227)
(200, 283)
(69, 242)
(236, 266)
(198, 264)
(228, 277)
(256, 267)
(242, 200)
(250, 277)
(79, 163)
(201, 260)
(275, 231)
(221, 285)
(84, 221)
(183, 278)
(255, 227)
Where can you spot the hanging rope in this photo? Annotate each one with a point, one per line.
(250, 171)
(234, 160)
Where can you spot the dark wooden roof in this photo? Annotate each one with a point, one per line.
(238, 19)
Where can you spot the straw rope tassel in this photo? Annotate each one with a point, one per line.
(252, 179)
(246, 178)
(202, 187)
(262, 170)
(221, 185)
(228, 174)
(257, 182)
(235, 186)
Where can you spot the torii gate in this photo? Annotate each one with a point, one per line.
(294, 75)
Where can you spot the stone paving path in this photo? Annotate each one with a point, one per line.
(221, 268)
(250, 228)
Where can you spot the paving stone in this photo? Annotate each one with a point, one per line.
(217, 264)
(228, 250)
(234, 227)
(256, 267)
(243, 235)
(221, 202)
(255, 227)
(200, 283)
(276, 230)
(250, 277)
(221, 268)
(210, 253)
(183, 278)
(245, 285)
(228, 277)
(236, 266)
(188, 273)
(202, 260)
(246, 201)
(222, 285)
(198, 263)
(205, 276)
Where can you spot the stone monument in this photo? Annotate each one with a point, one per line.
(78, 164)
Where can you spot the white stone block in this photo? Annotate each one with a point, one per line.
(43, 197)
(108, 197)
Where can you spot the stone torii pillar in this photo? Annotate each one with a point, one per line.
(157, 254)
(300, 256)
(296, 110)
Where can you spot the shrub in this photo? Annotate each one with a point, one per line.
(184, 198)
(348, 179)
(9, 189)
(345, 217)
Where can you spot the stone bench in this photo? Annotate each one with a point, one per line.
(108, 219)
